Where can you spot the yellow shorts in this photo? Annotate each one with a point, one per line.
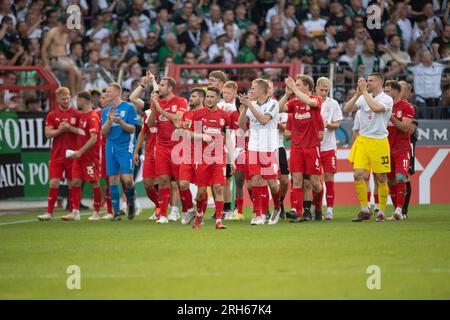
(371, 154)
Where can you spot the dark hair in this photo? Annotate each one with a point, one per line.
(199, 90)
(392, 37)
(421, 18)
(170, 82)
(84, 95)
(394, 84)
(215, 90)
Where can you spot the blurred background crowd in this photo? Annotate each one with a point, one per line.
(120, 39)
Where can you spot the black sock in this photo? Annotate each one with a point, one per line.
(407, 198)
(307, 205)
(227, 206)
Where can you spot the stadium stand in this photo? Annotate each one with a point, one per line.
(118, 40)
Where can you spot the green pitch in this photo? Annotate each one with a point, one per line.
(141, 260)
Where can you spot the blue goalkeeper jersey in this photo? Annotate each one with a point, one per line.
(117, 137)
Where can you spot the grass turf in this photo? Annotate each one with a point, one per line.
(141, 260)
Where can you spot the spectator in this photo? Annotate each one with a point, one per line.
(33, 104)
(76, 54)
(192, 36)
(92, 63)
(162, 25)
(181, 19)
(393, 49)
(201, 52)
(135, 73)
(350, 52)
(231, 44)
(315, 26)
(427, 78)
(247, 54)
(214, 22)
(136, 32)
(241, 18)
(216, 51)
(288, 20)
(403, 23)
(424, 33)
(121, 51)
(93, 80)
(355, 9)
(149, 52)
(276, 10)
(171, 48)
(440, 44)
(98, 30)
(342, 23)
(368, 61)
(275, 39)
(228, 18)
(330, 34)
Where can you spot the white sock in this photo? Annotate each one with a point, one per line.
(365, 208)
(330, 210)
(398, 210)
(380, 213)
(218, 220)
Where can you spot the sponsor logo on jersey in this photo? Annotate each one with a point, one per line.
(162, 118)
(210, 130)
(122, 113)
(174, 108)
(222, 122)
(301, 116)
(73, 120)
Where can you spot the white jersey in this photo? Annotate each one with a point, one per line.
(330, 112)
(228, 107)
(263, 137)
(357, 121)
(374, 124)
(282, 118)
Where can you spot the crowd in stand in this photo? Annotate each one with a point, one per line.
(120, 39)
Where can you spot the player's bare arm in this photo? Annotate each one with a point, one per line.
(139, 142)
(351, 106)
(290, 83)
(47, 41)
(404, 125)
(375, 106)
(332, 125)
(51, 132)
(68, 128)
(88, 145)
(242, 121)
(230, 149)
(107, 126)
(135, 95)
(282, 103)
(151, 120)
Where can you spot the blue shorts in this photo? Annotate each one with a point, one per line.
(118, 160)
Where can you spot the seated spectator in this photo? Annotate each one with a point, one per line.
(92, 63)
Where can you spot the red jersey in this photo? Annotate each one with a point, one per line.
(398, 140)
(66, 140)
(187, 122)
(150, 145)
(164, 125)
(305, 123)
(103, 138)
(213, 123)
(89, 124)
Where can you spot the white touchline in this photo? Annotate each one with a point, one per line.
(32, 220)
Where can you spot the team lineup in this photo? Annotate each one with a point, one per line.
(219, 134)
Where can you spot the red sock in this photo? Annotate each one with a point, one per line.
(375, 197)
(152, 194)
(276, 200)
(52, 197)
(250, 193)
(97, 198)
(240, 204)
(393, 191)
(164, 196)
(317, 200)
(369, 195)
(219, 209)
(256, 192)
(205, 203)
(330, 193)
(297, 200)
(76, 197)
(186, 200)
(401, 194)
(264, 199)
(108, 200)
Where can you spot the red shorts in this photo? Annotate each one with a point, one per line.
(165, 164)
(305, 160)
(264, 164)
(399, 164)
(57, 167)
(85, 170)
(242, 164)
(209, 174)
(149, 170)
(187, 172)
(328, 159)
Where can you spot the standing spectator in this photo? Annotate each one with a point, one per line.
(136, 32)
(214, 23)
(149, 52)
(288, 20)
(231, 44)
(343, 23)
(192, 36)
(350, 52)
(135, 73)
(440, 44)
(394, 48)
(162, 25)
(76, 54)
(424, 33)
(368, 61)
(315, 26)
(276, 10)
(401, 17)
(181, 19)
(228, 18)
(171, 48)
(275, 39)
(427, 78)
(92, 63)
(355, 9)
(241, 18)
(247, 54)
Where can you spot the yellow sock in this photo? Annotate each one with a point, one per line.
(383, 191)
(361, 191)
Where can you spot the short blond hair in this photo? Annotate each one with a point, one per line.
(231, 85)
(323, 81)
(306, 80)
(263, 84)
(115, 85)
(62, 91)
